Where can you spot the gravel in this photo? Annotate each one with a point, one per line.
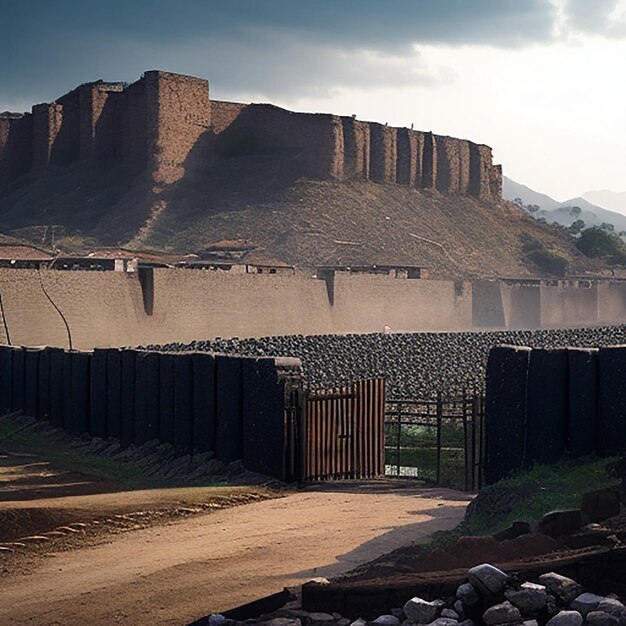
(416, 365)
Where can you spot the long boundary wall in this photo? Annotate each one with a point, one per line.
(105, 309)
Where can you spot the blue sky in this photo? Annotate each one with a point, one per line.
(539, 80)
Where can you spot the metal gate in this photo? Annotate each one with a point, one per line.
(438, 440)
(336, 433)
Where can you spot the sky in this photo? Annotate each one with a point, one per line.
(541, 81)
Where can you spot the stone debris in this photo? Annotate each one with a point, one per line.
(564, 589)
(415, 365)
(489, 598)
(566, 618)
(504, 613)
(585, 603)
(529, 598)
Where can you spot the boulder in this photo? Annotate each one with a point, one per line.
(560, 523)
(516, 529)
(585, 603)
(467, 595)
(420, 611)
(565, 589)
(530, 622)
(566, 618)
(359, 622)
(444, 621)
(597, 506)
(386, 620)
(450, 614)
(488, 578)
(504, 613)
(321, 619)
(528, 598)
(613, 607)
(600, 618)
(458, 607)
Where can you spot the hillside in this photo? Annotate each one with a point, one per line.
(297, 220)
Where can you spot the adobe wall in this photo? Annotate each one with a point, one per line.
(133, 116)
(47, 119)
(314, 141)
(611, 300)
(223, 114)
(99, 131)
(569, 304)
(383, 153)
(178, 113)
(107, 308)
(16, 140)
(356, 144)
(159, 120)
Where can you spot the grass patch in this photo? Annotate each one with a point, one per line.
(544, 488)
(527, 497)
(22, 435)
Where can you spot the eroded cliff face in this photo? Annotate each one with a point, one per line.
(164, 122)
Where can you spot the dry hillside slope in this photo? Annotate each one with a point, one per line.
(298, 220)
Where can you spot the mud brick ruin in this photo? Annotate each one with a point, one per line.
(161, 120)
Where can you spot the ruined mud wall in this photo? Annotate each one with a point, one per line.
(161, 118)
(178, 114)
(223, 114)
(99, 115)
(326, 146)
(313, 142)
(16, 140)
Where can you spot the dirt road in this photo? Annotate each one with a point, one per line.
(174, 573)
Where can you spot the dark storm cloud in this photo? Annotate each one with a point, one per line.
(258, 46)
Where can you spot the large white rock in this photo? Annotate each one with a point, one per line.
(420, 611)
(565, 589)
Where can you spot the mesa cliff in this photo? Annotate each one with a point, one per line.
(160, 119)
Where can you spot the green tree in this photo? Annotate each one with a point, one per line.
(576, 227)
(598, 242)
(575, 211)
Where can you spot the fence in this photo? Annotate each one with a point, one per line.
(197, 402)
(337, 433)
(439, 440)
(542, 404)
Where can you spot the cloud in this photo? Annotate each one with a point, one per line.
(600, 17)
(261, 46)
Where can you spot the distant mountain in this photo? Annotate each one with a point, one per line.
(512, 190)
(561, 212)
(611, 200)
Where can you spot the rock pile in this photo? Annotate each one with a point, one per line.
(490, 598)
(416, 365)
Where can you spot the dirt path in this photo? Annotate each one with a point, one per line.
(174, 573)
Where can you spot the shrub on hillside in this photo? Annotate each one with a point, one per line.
(597, 242)
(546, 260)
